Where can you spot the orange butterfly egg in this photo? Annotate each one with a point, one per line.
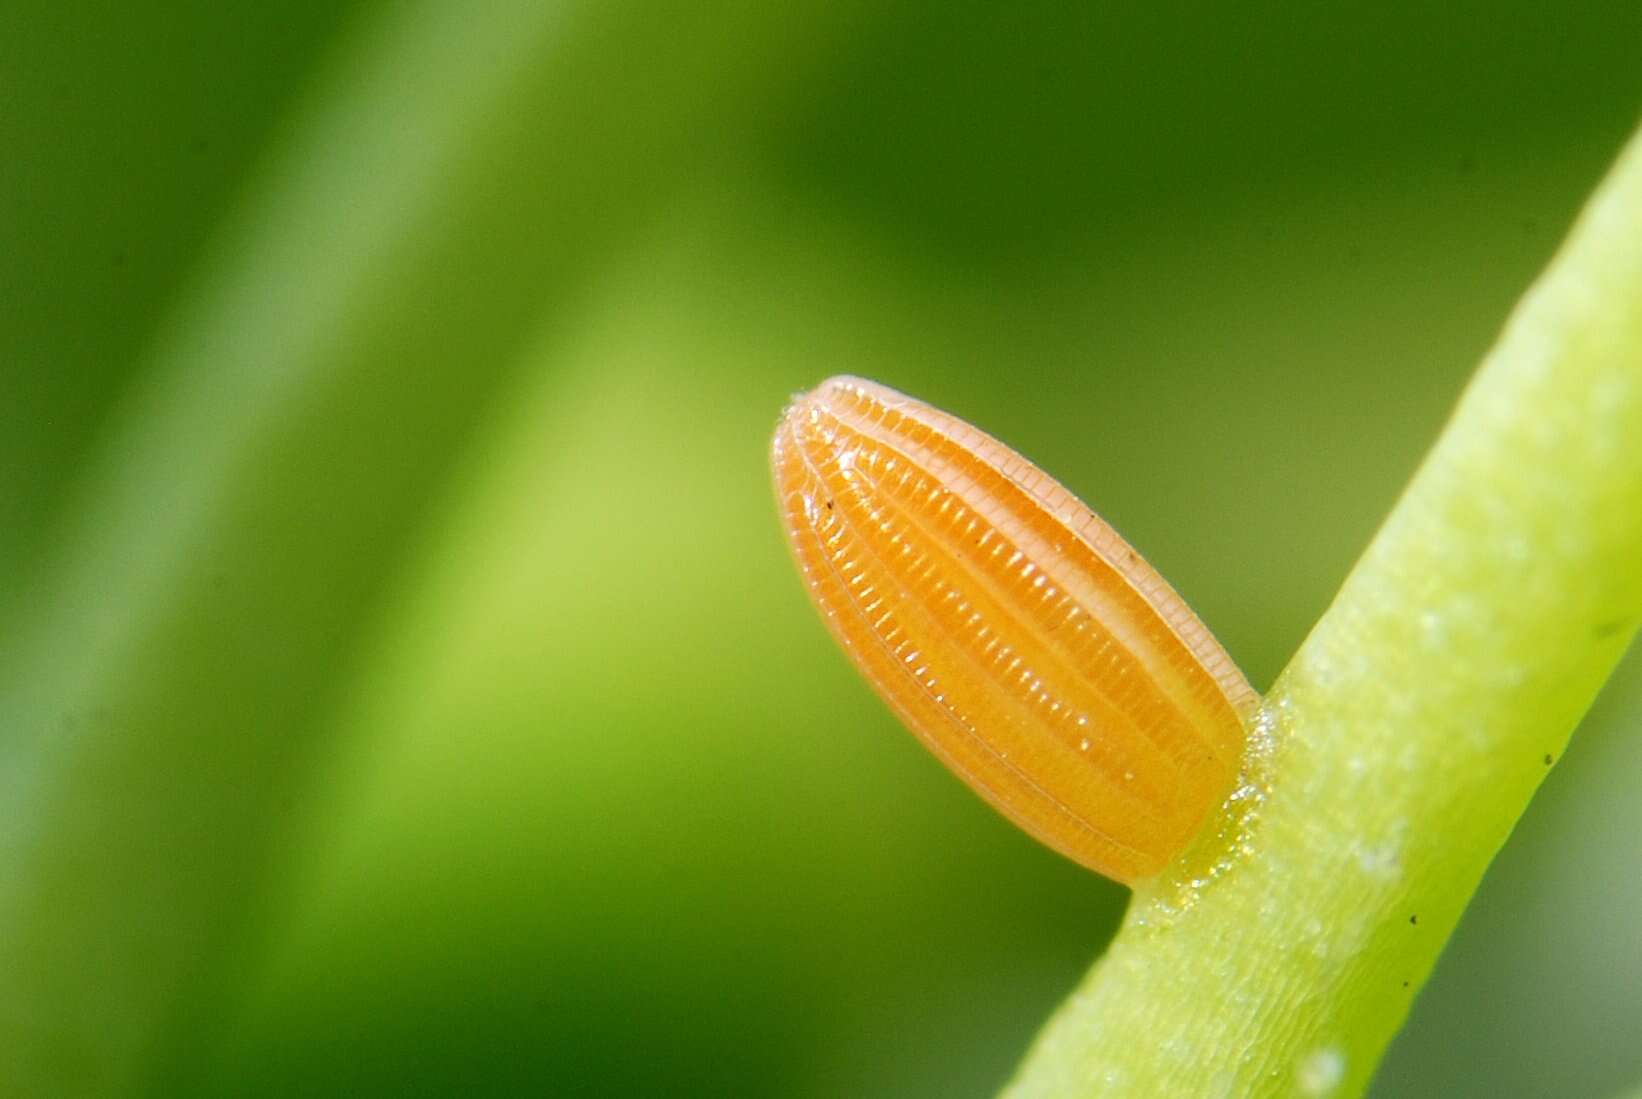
(1009, 627)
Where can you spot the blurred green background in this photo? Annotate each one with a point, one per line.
(403, 686)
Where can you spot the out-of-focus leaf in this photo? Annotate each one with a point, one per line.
(126, 131)
(159, 685)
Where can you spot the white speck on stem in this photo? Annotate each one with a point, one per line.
(1321, 1071)
(1381, 861)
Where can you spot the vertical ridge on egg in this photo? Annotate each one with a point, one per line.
(1013, 631)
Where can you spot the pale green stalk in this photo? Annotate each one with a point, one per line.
(1409, 732)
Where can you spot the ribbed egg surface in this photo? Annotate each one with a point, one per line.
(1009, 627)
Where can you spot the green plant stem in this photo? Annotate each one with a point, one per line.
(1406, 737)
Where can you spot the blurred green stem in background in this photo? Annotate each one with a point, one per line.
(1411, 728)
(168, 671)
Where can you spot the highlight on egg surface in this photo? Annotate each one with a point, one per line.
(1009, 628)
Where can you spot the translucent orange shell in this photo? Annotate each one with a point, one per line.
(1009, 627)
